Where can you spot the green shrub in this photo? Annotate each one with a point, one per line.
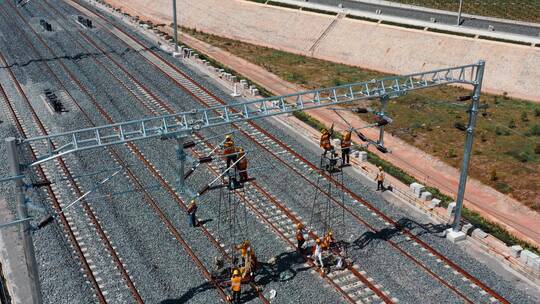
(533, 131)
(493, 175)
(537, 112)
(522, 156)
(537, 148)
(501, 131)
(512, 124)
(503, 187)
(451, 153)
(524, 117)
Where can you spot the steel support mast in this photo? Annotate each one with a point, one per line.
(175, 27)
(473, 112)
(22, 214)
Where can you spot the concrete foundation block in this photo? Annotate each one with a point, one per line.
(515, 251)
(455, 236)
(528, 257)
(479, 233)
(255, 92)
(426, 196)
(434, 203)
(467, 229)
(177, 54)
(535, 264)
(417, 188)
(451, 209)
(362, 156)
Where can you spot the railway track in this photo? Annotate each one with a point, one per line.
(78, 230)
(277, 148)
(281, 151)
(156, 106)
(139, 185)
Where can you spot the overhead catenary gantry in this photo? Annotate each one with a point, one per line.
(184, 123)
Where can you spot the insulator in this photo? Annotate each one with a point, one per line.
(205, 159)
(189, 144)
(45, 221)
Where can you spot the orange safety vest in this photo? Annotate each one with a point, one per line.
(236, 283)
(299, 235)
(380, 176)
(324, 245)
(243, 163)
(228, 147)
(325, 141)
(346, 142)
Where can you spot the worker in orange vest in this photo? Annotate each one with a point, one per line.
(242, 164)
(346, 147)
(236, 286)
(380, 179)
(229, 151)
(325, 141)
(328, 241)
(244, 249)
(300, 236)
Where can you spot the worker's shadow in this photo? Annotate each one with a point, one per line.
(282, 270)
(192, 292)
(388, 233)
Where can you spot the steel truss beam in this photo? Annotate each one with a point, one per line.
(183, 123)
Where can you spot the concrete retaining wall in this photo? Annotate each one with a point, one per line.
(509, 68)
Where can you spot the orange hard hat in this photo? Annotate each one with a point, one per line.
(318, 241)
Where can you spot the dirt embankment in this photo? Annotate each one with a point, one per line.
(509, 68)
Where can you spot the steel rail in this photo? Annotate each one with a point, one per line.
(416, 239)
(295, 219)
(100, 231)
(56, 204)
(481, 284)
(322, 190)
(165, 184)
(146, 195)
(156, 174)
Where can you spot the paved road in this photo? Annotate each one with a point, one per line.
(451, 19)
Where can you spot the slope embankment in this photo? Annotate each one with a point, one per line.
(510, 68)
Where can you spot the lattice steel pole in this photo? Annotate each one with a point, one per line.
(468, 145)
(175, 27)
(22, 213)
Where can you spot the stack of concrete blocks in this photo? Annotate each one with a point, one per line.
(426, 196)
(450, 210)
(362, 156)
(530, 259)
(243, 84)
(434, 203)
(195, 56)
(253, 90)
(467, 229)
(479, 233)
(417, 189)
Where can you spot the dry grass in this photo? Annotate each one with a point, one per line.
(504, 157)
